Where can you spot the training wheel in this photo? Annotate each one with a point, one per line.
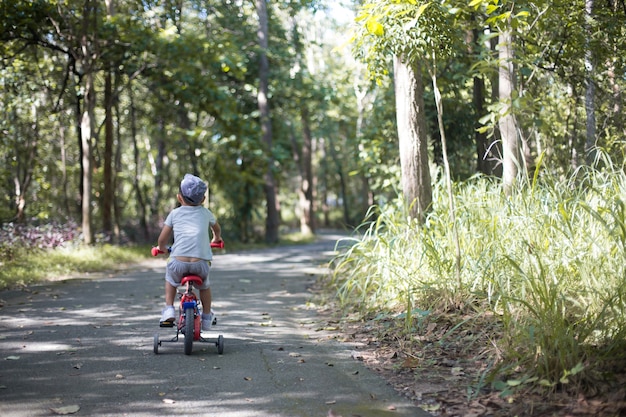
(156, 343)
(220, 344)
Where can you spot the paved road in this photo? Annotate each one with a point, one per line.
(89, 343)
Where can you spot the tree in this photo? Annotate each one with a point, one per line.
(272, 219)
(374, 44)
(508, 127)
(412, 135)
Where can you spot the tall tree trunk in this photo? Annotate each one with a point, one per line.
(87, 57)
(307, 221)
(107, 189)
(361, 93)
(26, 158)
(271, 199)
(86, 129)
(590, 107)
(507, 124)
(141, 202)
(343, 188)
(485, 160)
(409, 89)
(117, 209)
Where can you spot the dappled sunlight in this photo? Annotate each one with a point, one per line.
(34, 346)
(95, 341)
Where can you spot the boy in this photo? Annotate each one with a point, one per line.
(191, 252)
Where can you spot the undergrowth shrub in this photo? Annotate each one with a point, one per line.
(547, 262)
(18, 237)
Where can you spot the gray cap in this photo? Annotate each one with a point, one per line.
(192, 189)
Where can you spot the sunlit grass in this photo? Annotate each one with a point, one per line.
(29, 266)
(547, 263)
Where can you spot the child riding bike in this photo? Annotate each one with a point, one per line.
(191, 252)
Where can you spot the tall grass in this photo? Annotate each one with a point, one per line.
(547, 263)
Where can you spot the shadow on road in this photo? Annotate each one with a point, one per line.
(90, 343)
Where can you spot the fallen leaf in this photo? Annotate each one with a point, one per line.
(12, 358)
(457, 371)
(247, 378)
(331, 402)
(68, 409)
(168, 401)
(119, 376)
(78, 365)
(294, 354)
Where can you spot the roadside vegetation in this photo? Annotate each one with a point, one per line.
(537, 301)
(30, 254)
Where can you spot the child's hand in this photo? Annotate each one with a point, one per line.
(156, 251)
(219, 244)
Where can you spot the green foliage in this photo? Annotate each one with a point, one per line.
(547, 263)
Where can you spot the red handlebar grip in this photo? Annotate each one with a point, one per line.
(155, 251)
(218, 245)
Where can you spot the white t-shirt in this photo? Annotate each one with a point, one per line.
(191, 231)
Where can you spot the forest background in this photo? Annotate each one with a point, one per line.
(479, 145)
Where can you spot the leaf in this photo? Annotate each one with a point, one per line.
(513, 382)
(68, 409)
(168, 401)
(374, 27)
(12, 358)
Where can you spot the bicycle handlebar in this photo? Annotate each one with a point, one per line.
(216, 245)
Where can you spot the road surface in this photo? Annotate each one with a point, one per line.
(85, 347)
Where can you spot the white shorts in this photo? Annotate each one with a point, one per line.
(176, 270)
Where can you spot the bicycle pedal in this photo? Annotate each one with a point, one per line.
(167, 323)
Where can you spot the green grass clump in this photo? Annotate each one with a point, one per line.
(28, 266)
(546, 262)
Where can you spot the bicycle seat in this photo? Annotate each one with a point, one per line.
(194, 279)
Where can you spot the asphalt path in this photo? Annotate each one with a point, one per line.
(85, 347)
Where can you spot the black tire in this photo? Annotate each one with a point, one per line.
(189, 326)
(220, 344)
(156, 344)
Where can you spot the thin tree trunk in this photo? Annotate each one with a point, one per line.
(507, 124)
(590, 108)
(141, 204)
(409, 89)
(307, 221)
(25, 168)
(272, 217)
(86, 128)
(107, 189)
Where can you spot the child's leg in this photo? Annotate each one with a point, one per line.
(205, 299)
(170, 294)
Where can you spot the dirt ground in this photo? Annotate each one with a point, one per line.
(444, 372)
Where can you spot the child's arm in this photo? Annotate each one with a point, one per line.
(217, 232)
(164, 238)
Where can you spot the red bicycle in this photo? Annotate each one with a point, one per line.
(190, 319)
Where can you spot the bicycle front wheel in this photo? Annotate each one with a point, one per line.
(189, 325)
